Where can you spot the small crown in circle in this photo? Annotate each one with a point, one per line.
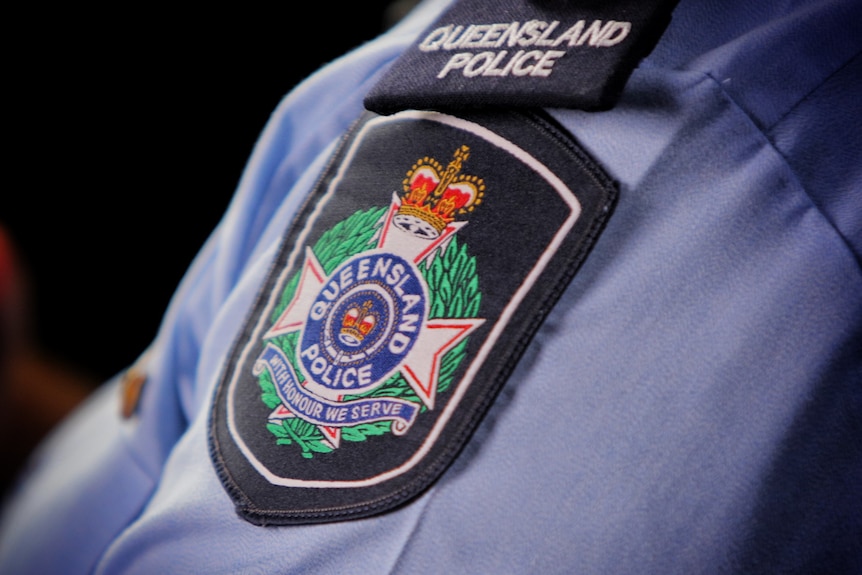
(357, 322)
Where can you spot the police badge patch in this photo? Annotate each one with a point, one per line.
(401, 299)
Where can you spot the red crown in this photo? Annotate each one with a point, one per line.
(435, 196)
(357, 322)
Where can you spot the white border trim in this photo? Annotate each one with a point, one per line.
(565, 193)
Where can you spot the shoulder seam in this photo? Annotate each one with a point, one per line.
(764, 132)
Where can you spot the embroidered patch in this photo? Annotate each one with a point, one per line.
(510, 53)
(401, 299)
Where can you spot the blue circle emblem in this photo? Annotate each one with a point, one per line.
(362, 324)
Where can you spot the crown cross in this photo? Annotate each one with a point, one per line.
(434, 196)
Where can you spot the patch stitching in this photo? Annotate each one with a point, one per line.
(510, 307)
(456, 443)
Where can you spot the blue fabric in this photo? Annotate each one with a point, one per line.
(691, 405)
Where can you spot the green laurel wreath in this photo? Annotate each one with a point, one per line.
(454, 293)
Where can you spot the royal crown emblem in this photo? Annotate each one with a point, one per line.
(357, 323)
(351, 344)
(433, 196)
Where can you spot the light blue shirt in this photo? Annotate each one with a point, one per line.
(691, 405)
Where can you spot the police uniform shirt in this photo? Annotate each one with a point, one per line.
(691, 404)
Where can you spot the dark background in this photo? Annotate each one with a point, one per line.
(128, 140)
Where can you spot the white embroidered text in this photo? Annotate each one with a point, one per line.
(547, 40)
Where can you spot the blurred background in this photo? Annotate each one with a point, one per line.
(127, 142)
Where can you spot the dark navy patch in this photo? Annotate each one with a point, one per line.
(510, 53)
(401, 299)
